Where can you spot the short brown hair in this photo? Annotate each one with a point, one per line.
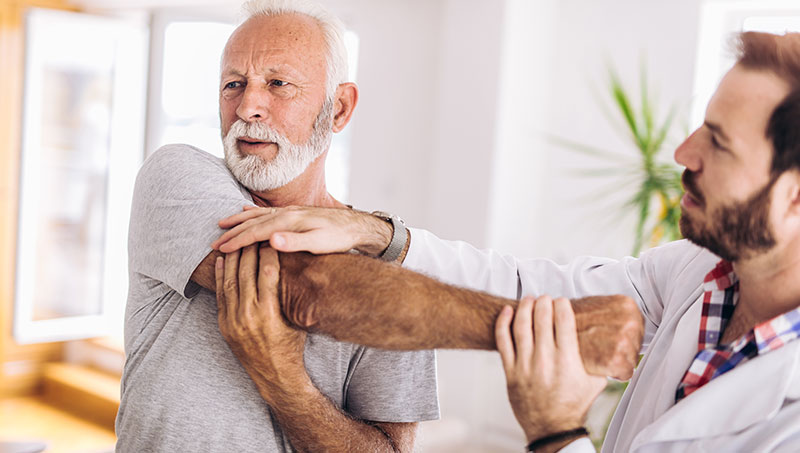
(781, 55)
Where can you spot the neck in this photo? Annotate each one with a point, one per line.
(769, 284)
(308, 189)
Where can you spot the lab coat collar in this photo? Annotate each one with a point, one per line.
(751, 392)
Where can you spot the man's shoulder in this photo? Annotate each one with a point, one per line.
(182, 168)
(681, 256)
(180, 154)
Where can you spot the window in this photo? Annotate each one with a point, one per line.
(82, 141)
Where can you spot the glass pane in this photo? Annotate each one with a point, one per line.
(74, 147)
(83, 123)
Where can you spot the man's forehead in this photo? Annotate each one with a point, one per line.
(284, 31)
(282, 43)
(744, 101)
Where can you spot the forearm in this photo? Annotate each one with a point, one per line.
(361, 300)
(312, 422)
(364, 301)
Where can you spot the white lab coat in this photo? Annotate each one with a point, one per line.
(753, 408)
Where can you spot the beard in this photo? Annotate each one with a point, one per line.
(733, 232)
(291, 160)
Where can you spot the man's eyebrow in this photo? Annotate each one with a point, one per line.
(271, 70)
(231, 72)
(717, 129)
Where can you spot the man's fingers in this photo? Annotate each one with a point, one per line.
(268, 278)
(566, 335)
(248, 273)
(543, 326)
(502, 337)
(523, 336)
(230, 284)
(314, 241)
(249, 212)
(219, 277)
(241, 235)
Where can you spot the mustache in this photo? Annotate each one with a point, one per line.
(689, 180)
(258, 131)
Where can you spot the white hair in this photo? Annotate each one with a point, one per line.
(332, 29)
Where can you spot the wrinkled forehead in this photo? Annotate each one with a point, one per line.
(294, 36)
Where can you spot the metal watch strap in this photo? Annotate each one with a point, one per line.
(399, 236)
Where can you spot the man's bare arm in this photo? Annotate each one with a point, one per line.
(362, 300)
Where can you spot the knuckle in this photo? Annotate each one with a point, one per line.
(229, 285)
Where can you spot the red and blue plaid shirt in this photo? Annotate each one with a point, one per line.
(721, 293)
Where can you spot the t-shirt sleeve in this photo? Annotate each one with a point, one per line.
(181, 193)
(394, 386)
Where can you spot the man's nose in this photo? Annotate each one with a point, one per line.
(689, 153)
(254, 105)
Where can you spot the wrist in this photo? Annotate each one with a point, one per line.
(555, 441)
(282, 388)
(395, 250)
(376, 235)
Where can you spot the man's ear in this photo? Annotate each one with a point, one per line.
(345, 103)
(792, 193)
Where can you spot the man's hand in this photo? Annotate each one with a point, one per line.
(315, 230)
(610, 331)
(251, 322)
(549, 389)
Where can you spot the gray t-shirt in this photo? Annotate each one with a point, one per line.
(182, 387)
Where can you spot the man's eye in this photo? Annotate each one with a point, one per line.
(714, 142)
(232, 85)
(279, 83)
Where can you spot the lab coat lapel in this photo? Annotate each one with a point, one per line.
(751, 392)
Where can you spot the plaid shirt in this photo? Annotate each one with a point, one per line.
(721, 293)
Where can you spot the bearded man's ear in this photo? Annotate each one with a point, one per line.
(345, 102)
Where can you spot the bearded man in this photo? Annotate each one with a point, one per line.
(721, 363)
(282, 94)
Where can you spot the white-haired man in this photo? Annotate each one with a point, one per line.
(282, 94)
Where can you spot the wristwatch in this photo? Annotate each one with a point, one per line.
(399, 236)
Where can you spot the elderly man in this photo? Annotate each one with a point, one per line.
(282, 94)
(721, 365)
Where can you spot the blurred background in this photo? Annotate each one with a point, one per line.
(496, 122)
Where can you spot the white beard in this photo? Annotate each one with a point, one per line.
(291, 160)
